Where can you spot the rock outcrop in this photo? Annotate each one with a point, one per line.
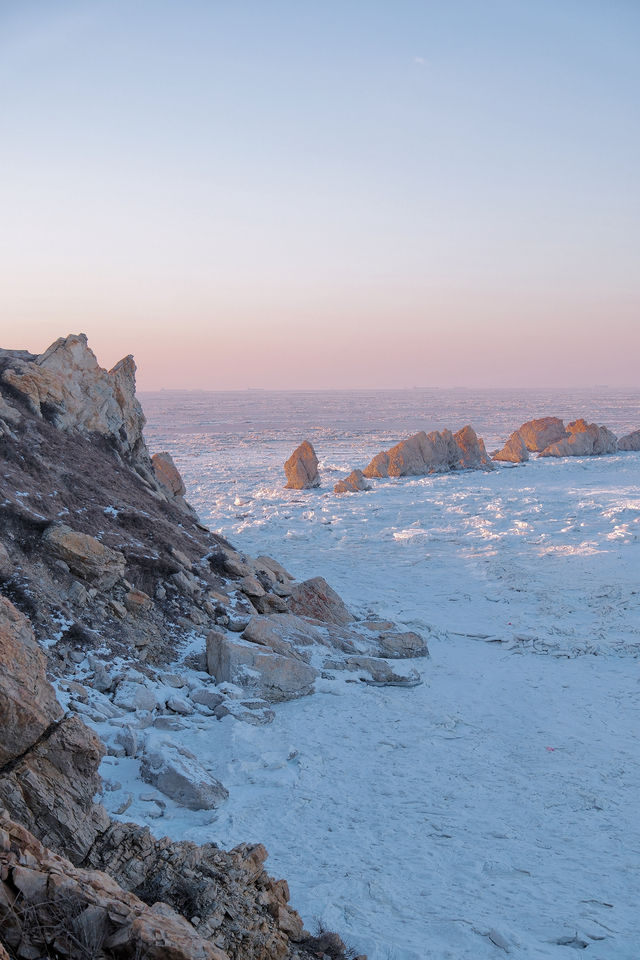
(436, 452)
(514, 450)
(354, 483)
(630, 441)
(316, 599)
(538, 434)
(583, 440)
(301, 469)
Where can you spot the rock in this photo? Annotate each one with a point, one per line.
(28, 705)
(436, 452)
(179, 705)
(178, 774)
(538, 434)
(301, 468)
(168, 475)
(6, 564)
(514, 450)
(67, 384)
(137, 602)
(206, 697)
(282, 633)
(583, 440)
(355, 482)
(399, 645)
(127, 738)
(630, 441)
(135, 695)
(252, 587)
(267, 675)
(84, 555)
(8, 412)
(281, 575)
(315, 598)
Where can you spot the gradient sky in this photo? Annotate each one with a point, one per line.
(325, 194)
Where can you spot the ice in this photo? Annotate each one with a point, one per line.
(492, 810)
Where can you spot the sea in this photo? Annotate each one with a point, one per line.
(494, 808)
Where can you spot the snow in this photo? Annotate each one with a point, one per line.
(494, 808)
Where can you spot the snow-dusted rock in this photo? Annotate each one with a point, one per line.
(268, 675)
(401, 645)
(355, 482)
(630, 441)
(177, 773)
(316, 599)
(301, 469)
(132, 694)
(281, 633)
(514, 450)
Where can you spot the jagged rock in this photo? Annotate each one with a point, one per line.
(266, 674)
(52, 907)
(282, 633)
(315, 598)
(630, 441)
(252, 587)
(301, 468)
(179, 775)
(84, 555)
(28, 704)
(514, 450)
(583, 440)
(67, 384)
(167, 474)
(51, 788)
(436, 452)
(8, 412)
(281, 575)
(355, 482)
(538, 434)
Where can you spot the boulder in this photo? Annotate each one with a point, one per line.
(435, 452)
(66, 384)
(399, 645)
(473, 455)
(168, 475)
(301, 468)
(28, 704)
(316, 599)
(514, 450)
(84, 555)
(583, 440)
(178, 774)
(266, 674)
(8, 412)
(282, 633)
(279, 572)
(355, 482)
(630, 441)
(538, 434)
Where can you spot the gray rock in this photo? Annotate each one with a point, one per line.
(269, 675)
(177, 773)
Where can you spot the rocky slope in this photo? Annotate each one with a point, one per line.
(112, 590)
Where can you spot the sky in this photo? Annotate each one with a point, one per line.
(297, 194)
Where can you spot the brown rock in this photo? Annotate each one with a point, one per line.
(86, 556)
(28, 704)
(355, 482)
(315, 598)
(514, 450)
(137, 601)
(584, 440)
(538, 434)
(301, 468)
(436, 452)
(167, 474)
(472, 454)
(266, 674)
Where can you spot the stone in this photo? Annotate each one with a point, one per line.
(135, 695)
(28, 705)
(179, 705)
(137, 602)
(177, 773)
(282, 633)
(315, 598)
(84, 555)
(630, 441)
(206, 697)
(168, 475)
(265, 674)
(436, 452)
(6, 564)
(281, 575)
(355, 482)
(8, 412)
(514, 450)
(127, 738)
(538, 434)
(67, 383)
(301, 469)
(399, 645)
(583, 440)
(252, 587)
(473, 455)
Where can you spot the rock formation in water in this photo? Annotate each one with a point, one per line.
(583, 440)
(538, 434)
(111, 586)
(630, 441)
(514, 450)
(354, 483)
(436, 452)
(301, 469)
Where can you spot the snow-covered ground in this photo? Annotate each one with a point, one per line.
(495, 807)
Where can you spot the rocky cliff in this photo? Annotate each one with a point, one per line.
(112, 592)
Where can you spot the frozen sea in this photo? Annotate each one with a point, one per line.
(496, 808)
